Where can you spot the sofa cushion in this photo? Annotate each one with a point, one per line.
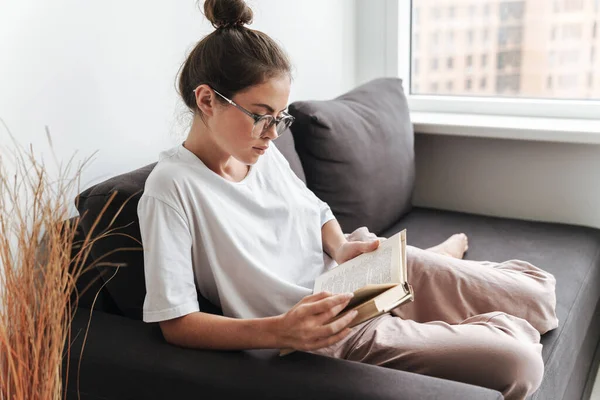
(122, 245)
(570, 253)
(124, 359)
(357, 151)
(285, 144)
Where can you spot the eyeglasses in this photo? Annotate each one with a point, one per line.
(262, 123)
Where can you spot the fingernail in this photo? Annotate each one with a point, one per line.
(349, 295)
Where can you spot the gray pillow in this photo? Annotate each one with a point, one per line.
(357, 152)
(285, 144)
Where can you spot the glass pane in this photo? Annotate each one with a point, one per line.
(516, 48)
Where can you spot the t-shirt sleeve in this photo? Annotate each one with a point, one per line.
(169, 273)
(325, 210)
(326, 213)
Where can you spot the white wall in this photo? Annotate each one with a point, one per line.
(101, 74)
(541, 181)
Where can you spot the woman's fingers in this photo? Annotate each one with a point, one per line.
(324, 342)
(315, 297)
(336, 326)
(326, 304)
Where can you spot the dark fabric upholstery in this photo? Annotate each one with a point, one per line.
(571, 253)
(285, 144)
(358, 153)
(89, 285)
(126, 284)
(126, 359)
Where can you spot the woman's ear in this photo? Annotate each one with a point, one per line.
(205, 99)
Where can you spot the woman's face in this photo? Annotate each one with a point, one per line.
(233, 129)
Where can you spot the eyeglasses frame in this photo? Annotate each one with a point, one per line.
(257, 117)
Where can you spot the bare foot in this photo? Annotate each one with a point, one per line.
(455, 246)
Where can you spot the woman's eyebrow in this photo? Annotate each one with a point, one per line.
(267, 107)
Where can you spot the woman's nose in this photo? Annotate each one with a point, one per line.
(271, 132)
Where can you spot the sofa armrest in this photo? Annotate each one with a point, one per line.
(125, 358)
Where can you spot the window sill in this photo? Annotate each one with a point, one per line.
(508, 127)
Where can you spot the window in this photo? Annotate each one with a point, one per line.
(450, 40)
(472, 11)
(510, 36)
(486, 36)
(506, 84)
(434, 87)
(512, 11)
(415, 69)
(469, 61)
(511, 55)
(435, 39)
(509, 59)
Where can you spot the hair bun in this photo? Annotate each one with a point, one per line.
(227, 13)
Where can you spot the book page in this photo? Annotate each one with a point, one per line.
(381, 266)
(375, 268)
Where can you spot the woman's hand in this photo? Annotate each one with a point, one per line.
(304, 326)
(360, 241)
(349, 250)
(363, 234)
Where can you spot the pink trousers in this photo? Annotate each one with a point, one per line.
(477, 322)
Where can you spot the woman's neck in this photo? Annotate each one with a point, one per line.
(200, 142)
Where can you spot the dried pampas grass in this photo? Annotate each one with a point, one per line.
(39, 266)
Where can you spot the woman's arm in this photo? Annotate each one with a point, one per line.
(207, 331)
(341, 249)
(333, 238)
(305, 326)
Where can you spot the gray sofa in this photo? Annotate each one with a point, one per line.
(359, 159)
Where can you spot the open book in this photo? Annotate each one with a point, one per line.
(378, 280)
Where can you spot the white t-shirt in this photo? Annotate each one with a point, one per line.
(253, 247)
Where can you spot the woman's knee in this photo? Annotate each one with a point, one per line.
(520, 370)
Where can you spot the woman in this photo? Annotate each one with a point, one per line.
(224, 214)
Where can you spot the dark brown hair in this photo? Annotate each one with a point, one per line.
(233, 57)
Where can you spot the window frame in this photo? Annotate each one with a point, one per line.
(399, 33)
